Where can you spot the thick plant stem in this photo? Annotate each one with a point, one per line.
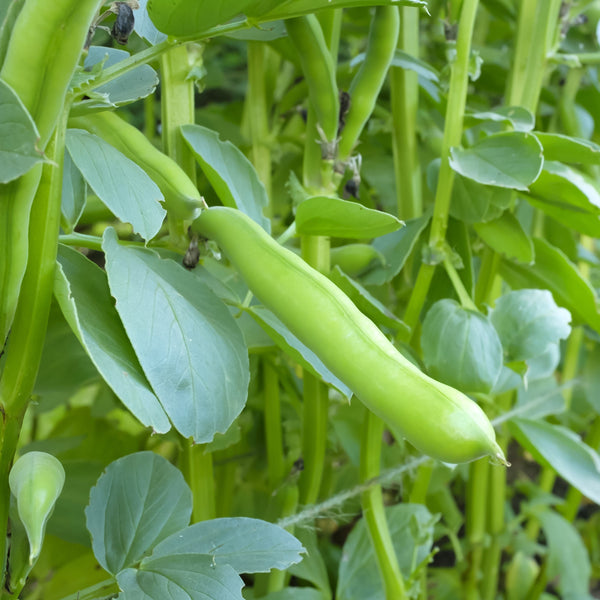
(256, 106)
(476, 511)
(177, 108)
(457, 98)
(197, 467)
(373, 510)
(24, 349)
(273, 434)
(404, 90)
(536, 29)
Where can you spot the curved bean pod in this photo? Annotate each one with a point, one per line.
(437, 419)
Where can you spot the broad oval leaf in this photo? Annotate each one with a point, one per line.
(564, 148)
(396, 247)
(411, 529)
(511, 160)
(563, 451)
(568, 561)
(125, 89)
(553, 271)
(73, 196)
(461, 347)
(292, 346)
(333, 217)
(188, 344)
(247, 545)
(529, 322)
(81, 290)
(121, 184)
(571, 197)
(180, 577)
(229, 172)
(138, 501)
(506, 236)
(518, 117)
(18, 136)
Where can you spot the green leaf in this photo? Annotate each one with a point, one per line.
(312, 566)
(186, 340)
(190, 19)
(461, 347)
(298, 593)
(294, 348)
(562, 450)
(356, 259)
(553, 271)
(247, 545)
(81, 290)
(518, 117)
(563, 148)
(323, 215)
(144, 26)
(473, 202)
(528, 323)
(121, 185)
(568, 559)
(73, 195)
(18, 136)
(404, 60)
(571, 197)
(178, 577)
(411, 529)
(139, 500)
(125, 89)
(510, 160)
(229, 172)
(396, 247)
(366, 302)
(505, 236)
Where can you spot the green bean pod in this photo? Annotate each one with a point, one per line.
(437, 419)
(41, 57)
(182, 199)
(306, 36)
(355, 259)
(36, 481)
(367, 83)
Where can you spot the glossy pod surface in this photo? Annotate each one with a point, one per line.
(437, 419)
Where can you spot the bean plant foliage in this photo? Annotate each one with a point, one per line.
(179, 422)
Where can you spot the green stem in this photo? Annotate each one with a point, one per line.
(458, 285)
(331, 24)
(374, 511)
(457, 98)
(105, 589)
(476, 515)
(536, 27)
(197, 467)
(256, 105)
(404, 90)
(177, 109)
(273, 434)
(24, 348)
(486, 281)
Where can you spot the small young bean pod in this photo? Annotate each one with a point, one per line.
(182, 199)
(306, 35)
(366, 85)
(36, 481)
(437, 419)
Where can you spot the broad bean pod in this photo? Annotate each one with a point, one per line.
(367, 83)
(437, 419)
(41, 57)
(182, 199)
(306, 35)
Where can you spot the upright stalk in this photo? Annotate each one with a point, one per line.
(177, 109)
(24, 348)
(374, 510)
(457, 98)
(404, 89)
